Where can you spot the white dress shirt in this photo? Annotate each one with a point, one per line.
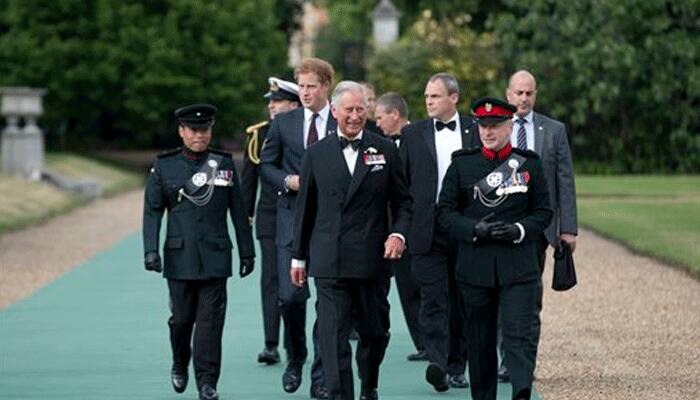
(350, 153)
(446, 142)
(321, 122)
(529, 130)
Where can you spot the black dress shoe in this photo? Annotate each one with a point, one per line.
(291, 379)
(207, 392)
(179, 381)
(318, 392)
(420, 355)
(369, 394)
(503, 375)
(437, 377)
(269, 356)
(458, 381)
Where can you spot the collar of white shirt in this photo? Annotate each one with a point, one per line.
(527, 118)
(322, 113)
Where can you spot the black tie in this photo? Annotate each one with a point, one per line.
(439, 125)
(344, 142)
(313, 133)
(522, 134)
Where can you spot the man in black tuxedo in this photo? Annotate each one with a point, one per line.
(283, 96)
(290, 135)
(391, 114)
(426, 149)
(494, 203)
(350, 181)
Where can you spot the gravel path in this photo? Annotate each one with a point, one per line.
(629, 330)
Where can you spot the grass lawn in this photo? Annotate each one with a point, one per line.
(656, 215)
(23, 203)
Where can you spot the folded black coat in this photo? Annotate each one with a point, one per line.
(564, 277)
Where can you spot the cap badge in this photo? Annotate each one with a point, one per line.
(199, 114)
(488, 107)
(274, 87)
(494, 179)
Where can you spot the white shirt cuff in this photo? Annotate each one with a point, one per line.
(298, 263)
(398, 235)
(522, 233)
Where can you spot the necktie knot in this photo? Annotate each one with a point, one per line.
(439, 125)
(521, 121)
(355, 143)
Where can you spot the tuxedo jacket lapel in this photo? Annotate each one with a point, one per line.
(429, 136)
(361, 169)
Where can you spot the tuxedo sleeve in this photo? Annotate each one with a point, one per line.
(271, 156)
(306, 207)
(399, 197)
(450, 206)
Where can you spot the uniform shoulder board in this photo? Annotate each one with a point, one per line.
(254, 128)
(464, 152)
(526, 153)
(170, 152)
(221, 152)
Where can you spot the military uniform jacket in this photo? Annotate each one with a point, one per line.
(490, 262)
(267, 204)
(197, 243)
(341, 221)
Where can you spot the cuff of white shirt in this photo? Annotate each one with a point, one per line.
(522, 233)
(298, 263)
(398, 235)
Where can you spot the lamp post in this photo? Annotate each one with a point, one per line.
(22, 147)
(385, 24)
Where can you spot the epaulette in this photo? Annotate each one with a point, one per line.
(220, 152)
(171, 152)
(467, 151)
(254, 128)
(525, 152)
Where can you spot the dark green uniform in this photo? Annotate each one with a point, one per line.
(495, 273)
(197, 252)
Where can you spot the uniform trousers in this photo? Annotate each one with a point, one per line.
(268, 291)
(198, 305)
(440, 314)
(342, 304)
(293, 310)
(520, 323)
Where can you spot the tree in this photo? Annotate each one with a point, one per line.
(115, 70)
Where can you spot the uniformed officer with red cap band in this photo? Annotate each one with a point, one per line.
(494, 202)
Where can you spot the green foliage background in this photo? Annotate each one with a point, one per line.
(115, 70)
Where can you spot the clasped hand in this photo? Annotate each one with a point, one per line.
(487, 228)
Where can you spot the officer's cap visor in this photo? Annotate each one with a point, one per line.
(196, 123)
(491, 121)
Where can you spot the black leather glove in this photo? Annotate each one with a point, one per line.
(247, 266)
(506, 232)
(485, 226)
(152, 262)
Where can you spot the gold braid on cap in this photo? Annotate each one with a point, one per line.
(253, 148)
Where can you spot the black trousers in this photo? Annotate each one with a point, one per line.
(440, 309)
(409, 295)
(292, 303)
(269, 293)
(342, 304)
(199, 306)
(520, 323)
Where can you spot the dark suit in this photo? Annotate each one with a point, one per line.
(341, 226)
(197, 256)
(432, 254)
(265, 215)
(493, 273)
(281, 156)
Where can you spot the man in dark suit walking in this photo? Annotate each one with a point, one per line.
(426, 149)
(198, 187)
(283, 96)
(290, 135)
(391, 114)
(546, 137)
(494, 203)
(350, 180)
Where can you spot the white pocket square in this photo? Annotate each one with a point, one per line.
(376, 168)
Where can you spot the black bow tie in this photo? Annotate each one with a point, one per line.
(439, 125)
(344, 142)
